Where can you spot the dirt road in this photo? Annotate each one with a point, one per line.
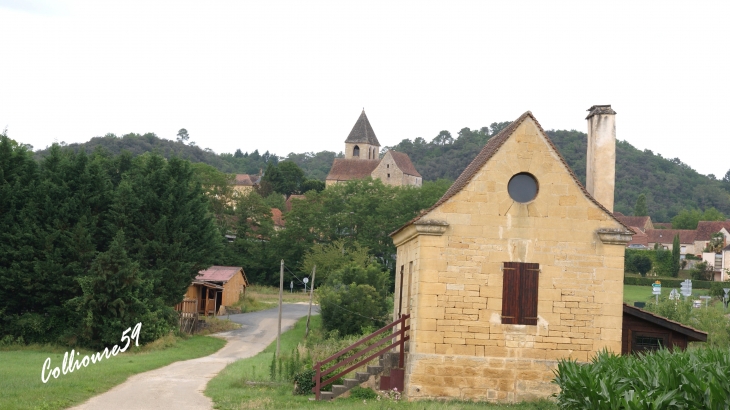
(180, 385)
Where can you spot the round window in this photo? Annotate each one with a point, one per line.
(522, 187)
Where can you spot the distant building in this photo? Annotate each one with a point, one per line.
(244, 183)
(362, 160)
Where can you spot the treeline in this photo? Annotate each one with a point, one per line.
(93, 244)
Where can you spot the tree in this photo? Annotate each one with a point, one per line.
(689, 218)
(354, 298)
(443, 138)
(182, 135)
(643, 264)
(701, 271)
(716, 243)
(332, 257)
(640, 207)
(675, 256)
(238, 153)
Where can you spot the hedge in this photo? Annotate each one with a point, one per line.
(666, 283)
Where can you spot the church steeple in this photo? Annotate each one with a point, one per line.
(362, 142)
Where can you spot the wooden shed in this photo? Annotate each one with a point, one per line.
(217, 286)
(644, 330)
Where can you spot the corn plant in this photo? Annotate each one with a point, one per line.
(692, 379)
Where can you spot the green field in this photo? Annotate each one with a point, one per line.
(246, 384)
(635, 293)
(20, 371)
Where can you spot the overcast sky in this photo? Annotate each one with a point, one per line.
(294, 76)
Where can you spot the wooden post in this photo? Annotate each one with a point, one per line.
(281, 293)
(400, 296)
(311, 293)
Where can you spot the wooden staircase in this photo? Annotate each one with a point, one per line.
(391, 362)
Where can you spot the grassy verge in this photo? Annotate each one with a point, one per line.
(265, 297)
(246, 384)
(634, 293)
(20, 371)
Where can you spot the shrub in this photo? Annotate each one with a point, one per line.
(304, 382)
(694, 378)
(362, 393)
(642, 263)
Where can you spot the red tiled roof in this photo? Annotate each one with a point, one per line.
(347, 169)
(638, 221)
(492, 146)
(705, 229)
(290, 199)
(403, 161)
(686, 236)
(276, 216)
(640, 238)
(218, 273)
(246, 180)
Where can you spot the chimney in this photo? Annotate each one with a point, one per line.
(601, 159)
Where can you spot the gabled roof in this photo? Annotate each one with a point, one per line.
(290, 199)
(640, 238)
(693, 334)
(246, 180)
(491, 148)
(276, 216)
(403, 161)
(362, 132)
(347, 169)
(705, 229)
(686, 236)
(638, 221)
(218, 273)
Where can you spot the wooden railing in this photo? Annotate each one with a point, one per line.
(400, 336)
(188, 311)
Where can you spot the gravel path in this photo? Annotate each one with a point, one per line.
(180, 385)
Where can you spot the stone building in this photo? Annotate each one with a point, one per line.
(362, 160)
(515, 267)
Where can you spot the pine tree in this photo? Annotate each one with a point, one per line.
(640, 207)
(675, 256)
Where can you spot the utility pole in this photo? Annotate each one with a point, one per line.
(281, 293)
(311, 293)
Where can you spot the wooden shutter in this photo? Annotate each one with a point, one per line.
(529, 276)
(510, 293)
(519, 293)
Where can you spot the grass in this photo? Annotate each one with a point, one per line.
(20, 371)
(265, 297)
(636, 293)
(246, 384)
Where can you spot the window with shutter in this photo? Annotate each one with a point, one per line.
(519, 293)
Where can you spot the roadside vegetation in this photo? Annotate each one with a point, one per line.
(249, 383)
(20, 372)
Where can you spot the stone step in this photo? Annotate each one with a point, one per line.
(375, 370)
(326, 395)
(350, 383)
(338, 389)
(362, 376)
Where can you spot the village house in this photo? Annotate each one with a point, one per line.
(245, 183)
(362, 160)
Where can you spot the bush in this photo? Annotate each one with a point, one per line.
(304, 382)
(362, 393)
(694, 378)
(354, 298)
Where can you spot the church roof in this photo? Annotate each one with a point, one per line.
(362, 132)
(403, 161)
(347, 169)
(491, 148)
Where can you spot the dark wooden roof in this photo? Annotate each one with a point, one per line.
(492, 146)
(347, 169)
(692, 334)
(362, 132)
(403, 161)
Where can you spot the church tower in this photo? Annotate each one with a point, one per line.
(362, 142)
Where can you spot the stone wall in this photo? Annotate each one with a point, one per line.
(459, 348)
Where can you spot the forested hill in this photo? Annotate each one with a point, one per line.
(669, 184)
